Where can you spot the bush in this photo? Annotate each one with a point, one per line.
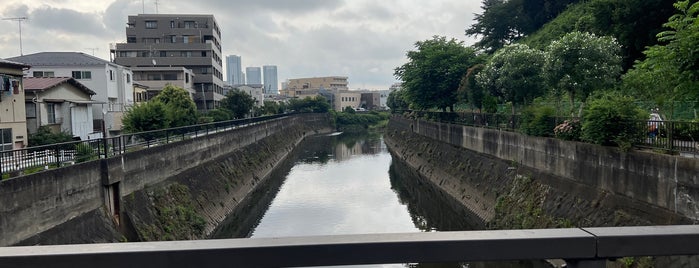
(568, 130)
(613, 119)
(84, 152)
(44, 136)
(538, 121)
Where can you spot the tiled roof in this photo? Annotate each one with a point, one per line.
(31, 84)
(59, 59)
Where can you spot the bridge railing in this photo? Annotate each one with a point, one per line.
(580, 247)
(672, 136)
(36, 158)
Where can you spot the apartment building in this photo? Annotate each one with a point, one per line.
(177, 40)
(13, 120)
(156, 78)
(112, 83)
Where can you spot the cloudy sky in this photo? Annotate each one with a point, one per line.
(362, 39)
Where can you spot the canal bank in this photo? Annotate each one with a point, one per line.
(508, 194)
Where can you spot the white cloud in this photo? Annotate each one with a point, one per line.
(362, 39)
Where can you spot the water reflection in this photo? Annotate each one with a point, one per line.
(347, 184)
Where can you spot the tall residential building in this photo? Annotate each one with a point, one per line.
(177, 40)
(269, 73)
(234, 71)
(254, 76)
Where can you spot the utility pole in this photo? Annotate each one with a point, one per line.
(92, 49)
(156, 6)
(19, 22)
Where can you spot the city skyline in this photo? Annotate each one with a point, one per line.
(364, 40)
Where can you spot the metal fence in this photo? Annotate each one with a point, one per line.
(672, 136)
(33, 159)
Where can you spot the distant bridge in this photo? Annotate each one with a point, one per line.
(580, 247)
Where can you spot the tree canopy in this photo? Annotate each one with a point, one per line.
(505, 21)
(432, 74)
(580, 63)
(151, 115)
(514, 72)
(179, 106)
(670, 71)
(238, 102)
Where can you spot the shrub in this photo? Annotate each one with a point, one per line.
(613, 119)
(568, 130)
(84, 152)
(538, 121)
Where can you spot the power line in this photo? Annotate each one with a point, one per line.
(19, 22)
(92, 49)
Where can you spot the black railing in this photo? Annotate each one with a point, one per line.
(33, 159)
(672, 136)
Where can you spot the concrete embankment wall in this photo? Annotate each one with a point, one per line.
(53, 207)
(588, 184)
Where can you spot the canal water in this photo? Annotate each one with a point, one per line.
(348, 184)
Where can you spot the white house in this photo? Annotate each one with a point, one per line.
(112, 83)
(61, 103)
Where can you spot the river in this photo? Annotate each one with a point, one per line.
(348, 184)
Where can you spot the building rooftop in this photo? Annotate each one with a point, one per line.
(14, 64)
(32, 84)
(59, 59)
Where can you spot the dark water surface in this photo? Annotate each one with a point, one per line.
(348, 184)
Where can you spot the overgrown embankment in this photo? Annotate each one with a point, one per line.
(191, 204)
(506, 194)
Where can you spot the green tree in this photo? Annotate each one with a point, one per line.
(179, 105)
(613, 119)
(670, 71)
(432, 74)
(515, 73)
(506, 21)
(238, 102)
(470, 91)
(317, 104)
(580, 63)
(396, 101)
(151, 115)
(44, 136)
(271, 107)
(220, 114)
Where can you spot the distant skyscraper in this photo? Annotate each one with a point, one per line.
(253, 76)
(234, 71)
(269, 72)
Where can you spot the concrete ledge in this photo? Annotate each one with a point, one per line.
(592, 245)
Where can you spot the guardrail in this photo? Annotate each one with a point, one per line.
(674, 136)
(68, 153)
(580, 247)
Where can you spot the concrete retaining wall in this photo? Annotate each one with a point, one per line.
(666, 181)
(36, 203)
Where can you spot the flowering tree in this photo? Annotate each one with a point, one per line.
(514, 73)
(581, 63)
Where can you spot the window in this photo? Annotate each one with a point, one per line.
(187, 39)
(172, 24)
(51, 112)
(6, 139)
(172, 38)
(151, 40)
(30, 108)
(203, 53)
(163, 53)
(151, 24)
(186, 54)
(186, 78)
(82, 74)
(130, 39)
(128, 78)
(190, 24)
(111, 75)
(43, 74)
